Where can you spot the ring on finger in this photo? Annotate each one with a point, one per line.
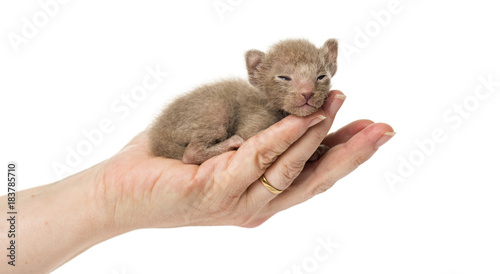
(268, 185)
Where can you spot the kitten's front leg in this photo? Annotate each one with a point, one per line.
(197, 153)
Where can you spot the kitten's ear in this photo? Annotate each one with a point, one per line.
(253, 58)
(330, 51)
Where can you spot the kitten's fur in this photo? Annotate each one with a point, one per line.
(292, 78)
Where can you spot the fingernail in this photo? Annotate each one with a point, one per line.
(384, 138)
(316, 120)
(336, 104)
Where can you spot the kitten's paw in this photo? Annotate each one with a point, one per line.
(234, 142)
(322, 149)
(200, 152)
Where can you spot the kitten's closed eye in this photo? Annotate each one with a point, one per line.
(284, 78)
(321, 77)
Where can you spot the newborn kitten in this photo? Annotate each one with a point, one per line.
(292, 78)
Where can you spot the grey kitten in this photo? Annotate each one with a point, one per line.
(292, 78)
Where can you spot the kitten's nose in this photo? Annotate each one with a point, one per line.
(307, 95)
(306, 89)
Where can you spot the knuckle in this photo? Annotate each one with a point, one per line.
(284, 141)
(269, 147)
(265, 158)
(356, 157)
(253, 221)
(265, 155)
(322, 188)
(242, 220)
(353, 158)
(358, 160)
(253, 224)
(318, 135)
(290, 170)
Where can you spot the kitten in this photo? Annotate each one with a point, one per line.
(293, 77)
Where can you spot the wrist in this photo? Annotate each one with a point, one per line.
(78, 203)
(103, 199)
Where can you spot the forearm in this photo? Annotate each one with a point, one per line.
(56, 222)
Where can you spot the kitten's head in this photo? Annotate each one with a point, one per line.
(295, 74)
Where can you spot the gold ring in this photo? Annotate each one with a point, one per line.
(269, 187)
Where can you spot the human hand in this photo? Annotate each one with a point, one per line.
(138, 190)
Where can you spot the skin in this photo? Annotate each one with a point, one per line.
(134, 190)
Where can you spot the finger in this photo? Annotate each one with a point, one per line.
(345, 133)
(293, 160)
(255, 155)
(289, 165)
(339, 161)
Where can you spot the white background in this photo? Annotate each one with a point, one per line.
(413, 70)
